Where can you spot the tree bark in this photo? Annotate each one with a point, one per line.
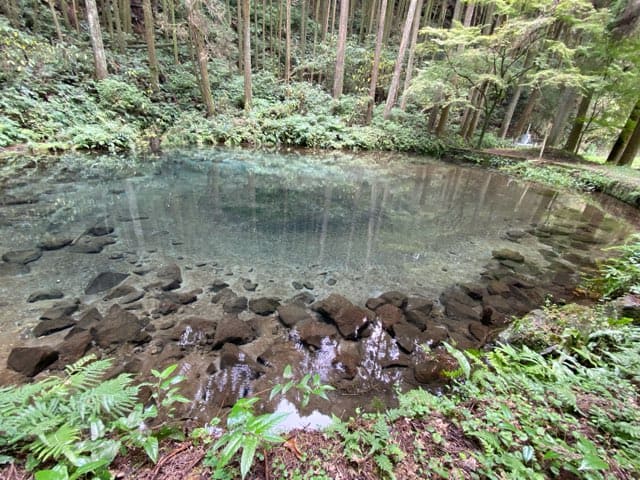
(338, 78)
(625, 134)
(376, 62)
(99, 56)
(120, 40)
(287, 35)
(56, 23)
(174, 31)
(395, 80)
(154, 69)
(631, 150)
(246, 40)
(567, 104)
(412, 51)
(197, 38)
(508, 114)
(578, 124)
(526, 114)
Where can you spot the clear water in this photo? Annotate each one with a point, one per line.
(352, 224)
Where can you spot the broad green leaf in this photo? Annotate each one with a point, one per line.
(248, 452)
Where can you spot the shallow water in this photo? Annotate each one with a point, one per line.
(350, 224)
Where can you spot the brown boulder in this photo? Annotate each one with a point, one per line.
(30, 361)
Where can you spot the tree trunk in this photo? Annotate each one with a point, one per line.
(442, 123)
(239, 25)
(125, 10)
(412, 51)
(578, 124)
(303, 29)
(338, 79)
(457, 11)
(154, 69)
(74, 15)
(521, 125)
(567, 104)
(99, 57)
(246, 40)
(625, 134)
(120, 40)
(287, 35)
(508, 114)
(395, 80)
(376, 62)
(56, 23)
(197, 38)
(64, 8)
(174, 31)
(631, 150)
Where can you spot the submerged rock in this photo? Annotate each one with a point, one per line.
(292, 314)
(48, 294)
(22, 256)
(30, 361)
(54, 243)
(13, 269)
(90, 244)
(235, 304)
(508, 254)
(104, 281)
(170, 276)
(264, 305)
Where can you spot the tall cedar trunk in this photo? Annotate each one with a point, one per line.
(174, 31)
(625, 134)
(338, 79)
(567, 104)
(326, 15)
(154, 69)
(197, 38)
(287, 53)
(395, 80)
(631, 150)
(239, 25)
(120, 40)
(578, 124)
(56, 23)
(126, 16)
(521, 124)
(388, 21)
(74, 15)
(64, 8)
(457, 11)
(412, 51)
(99, 57)
(508, 114)
(254, 54)
(334, 7)
(246, 36)
(303, 31)
(106, 4)
(376, 61)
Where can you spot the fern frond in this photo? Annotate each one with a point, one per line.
(55, 444)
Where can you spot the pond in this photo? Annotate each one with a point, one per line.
(236, 263)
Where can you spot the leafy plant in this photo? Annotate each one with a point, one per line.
(79, 421)
(620, 273)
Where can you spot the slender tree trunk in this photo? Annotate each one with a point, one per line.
(631, 150)
(154, 69)
(523, 120)
(567, 104)
(508, 114)
(64, 8)
(457, 11)
(125, 10)
(326, 17)
(388, 21)
(56, 23)
(303, 29)
(625, 134)
(99, 56)
(578, 124)
(120, 40)
(287, 54)
(246, 39)
(412, 51)
(108, 17)
(197, 38)
(239, 27)
(174, 31)
(442, 123)
(74, 15)
(338, 79)
(376, 62)
(395, 80)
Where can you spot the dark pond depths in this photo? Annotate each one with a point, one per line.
(235, 264)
